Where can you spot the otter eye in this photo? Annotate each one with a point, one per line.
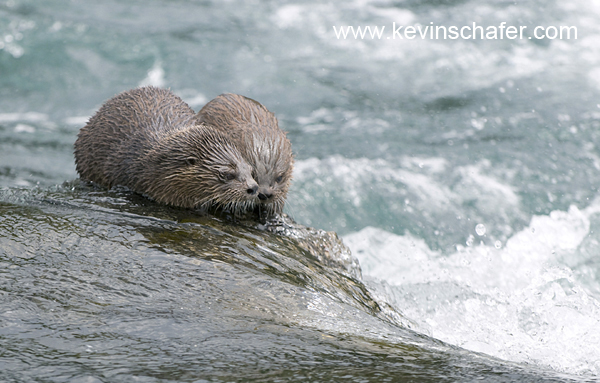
(229, 176)
(279, 179)
(190, 161)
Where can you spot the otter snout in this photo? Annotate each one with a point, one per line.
(265, 196)
(252, 189)
(265, 193)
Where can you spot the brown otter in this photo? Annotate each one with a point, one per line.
(149, 140)
(261, 142)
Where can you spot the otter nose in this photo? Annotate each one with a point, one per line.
(264, 196)
(252, 190)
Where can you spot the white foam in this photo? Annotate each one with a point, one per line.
(77, 120)
(520, 303)
(192, 97)
(155, 77)
(24, 128)
(197, 101)
(289, 15)
(27, 116)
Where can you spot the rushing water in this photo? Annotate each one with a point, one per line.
(463, 175)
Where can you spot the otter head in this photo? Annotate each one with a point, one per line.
(261, 142)
(199, 167)
(270, 157)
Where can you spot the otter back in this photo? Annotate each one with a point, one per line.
(109, 148)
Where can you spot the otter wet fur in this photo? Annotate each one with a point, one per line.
(151, 141)
(257, 135)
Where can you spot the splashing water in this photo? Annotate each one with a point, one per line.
(534, 300)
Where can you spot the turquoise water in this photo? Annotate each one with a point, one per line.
(461, 173)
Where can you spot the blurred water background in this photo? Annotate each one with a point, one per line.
(463, 175)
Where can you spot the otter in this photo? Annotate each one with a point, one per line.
(256, 133)
(152, 142)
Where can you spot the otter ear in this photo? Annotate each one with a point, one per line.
(191, 161)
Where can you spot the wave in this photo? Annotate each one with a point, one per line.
(535, 300)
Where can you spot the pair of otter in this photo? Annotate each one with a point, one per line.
(231, 155)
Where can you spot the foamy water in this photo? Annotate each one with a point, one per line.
(531, 296)
(531, 300)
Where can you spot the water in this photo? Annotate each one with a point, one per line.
(461, 173)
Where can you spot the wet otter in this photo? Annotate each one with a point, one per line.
(256, 134)
(151, 141)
